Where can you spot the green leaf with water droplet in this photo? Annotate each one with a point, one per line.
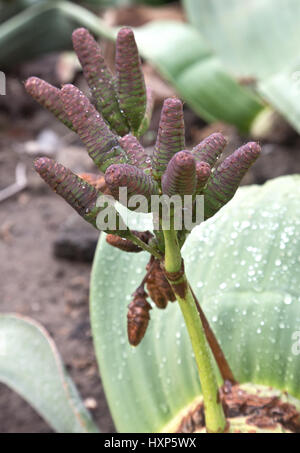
(31, 365)
(244, 267)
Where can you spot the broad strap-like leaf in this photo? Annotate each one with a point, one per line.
(182, 56)
(244, 267)
(31, 365)
(257, 39)
(250, 37)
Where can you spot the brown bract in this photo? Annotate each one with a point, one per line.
(177, 281)
(138, 317)
(126, 245)
(158, 286)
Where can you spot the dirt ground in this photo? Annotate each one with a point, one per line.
(55, 291)
(35, 283)
(52, 291)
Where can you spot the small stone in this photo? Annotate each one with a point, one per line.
(76, 240)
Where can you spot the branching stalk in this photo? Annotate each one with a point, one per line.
(214, 415)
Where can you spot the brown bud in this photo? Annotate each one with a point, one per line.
(138, 317)
(158, 286)
(123, 244)
(126, 244)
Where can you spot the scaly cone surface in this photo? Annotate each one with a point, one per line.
(49, 97)
(130, 79)
(148, 114)
(77, 192)
(134, 179)
(138, 317)
(226, 179)
(135, 152)
(210, 149)
(102, 145)
(180, 176)
(170, 137)
(203, 173)
(158, 287)
(99, 79)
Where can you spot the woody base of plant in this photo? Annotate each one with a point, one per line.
(248, 408)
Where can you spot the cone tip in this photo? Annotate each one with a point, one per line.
(184, 157)
(125, 32)
(80, 32)
(172, 103)
(253, 147)
(41, 163)
(68, 88)
(31, 83)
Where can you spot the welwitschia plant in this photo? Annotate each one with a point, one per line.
(181, 188)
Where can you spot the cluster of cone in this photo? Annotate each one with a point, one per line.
(161, 293)
(109, 126)
(158, 288)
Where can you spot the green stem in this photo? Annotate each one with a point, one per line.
(172, 251)
(214, 416)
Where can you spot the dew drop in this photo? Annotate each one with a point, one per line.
(287, 299)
